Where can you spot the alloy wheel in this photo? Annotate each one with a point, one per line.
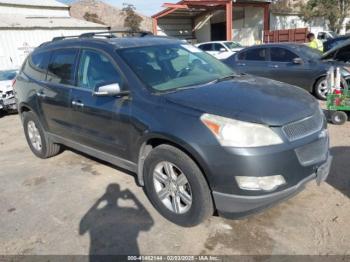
(34, 136)
(322, 88)
(172, 187)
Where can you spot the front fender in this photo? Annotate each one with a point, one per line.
(147, 142)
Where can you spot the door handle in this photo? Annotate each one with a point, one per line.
(77, 103)
(241, 64)
(41, 94)
(274, 66)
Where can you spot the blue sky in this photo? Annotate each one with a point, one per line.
(147, 7)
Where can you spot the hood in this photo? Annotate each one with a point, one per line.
(5, 86)
(329, 54)
(251, 99)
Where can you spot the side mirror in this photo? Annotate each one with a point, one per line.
(298, 61)
(222, 50)
(107, 90)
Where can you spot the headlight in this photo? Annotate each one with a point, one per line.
(266, 183)
(234, 133)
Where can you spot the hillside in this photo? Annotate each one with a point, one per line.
(109, 15)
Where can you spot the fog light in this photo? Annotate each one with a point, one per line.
(266, 183)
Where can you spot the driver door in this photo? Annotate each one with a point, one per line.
(283, 68)
(100, 122)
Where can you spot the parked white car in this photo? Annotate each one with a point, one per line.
(325, 35)
(7, 98)
(220, 49)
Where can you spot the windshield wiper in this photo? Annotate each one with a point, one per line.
(225, 78)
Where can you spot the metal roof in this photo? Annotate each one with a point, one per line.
(11, 21)
(44, 3)
(192, 8)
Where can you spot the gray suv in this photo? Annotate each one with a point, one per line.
(199, 137)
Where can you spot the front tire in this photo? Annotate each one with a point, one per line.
(176, 186)
(36, 137)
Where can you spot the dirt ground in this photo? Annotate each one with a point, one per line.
(58, 206)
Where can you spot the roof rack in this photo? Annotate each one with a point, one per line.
(106, 34)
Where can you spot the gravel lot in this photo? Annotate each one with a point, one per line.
(53, 207)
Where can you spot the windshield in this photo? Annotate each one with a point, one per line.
(171, 67)
(232, 45)
(312, 53)
(7, 75)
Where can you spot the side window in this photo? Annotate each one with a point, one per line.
(218, 47)
(95, 70)
(321, 36)
(61, 67)
(206, 47)
(36, 65)
(257, 54)
(282, 55)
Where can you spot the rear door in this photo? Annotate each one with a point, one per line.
(100, 122)
(253, 61)
(282, 68)
(54, 96)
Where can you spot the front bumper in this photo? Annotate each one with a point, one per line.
(235, 206)
(8, 104)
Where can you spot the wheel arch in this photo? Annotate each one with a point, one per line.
(154, 140)
(22, 107)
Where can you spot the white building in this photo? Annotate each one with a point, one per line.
(25, 24)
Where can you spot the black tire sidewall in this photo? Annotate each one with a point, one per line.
(29, 116)
(342, 115)
(201, 201)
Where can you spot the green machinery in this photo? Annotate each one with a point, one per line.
(338, 97)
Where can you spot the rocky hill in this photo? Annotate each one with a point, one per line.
(105, 13)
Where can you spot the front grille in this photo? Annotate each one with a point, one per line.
(304, 127)
(313, 153)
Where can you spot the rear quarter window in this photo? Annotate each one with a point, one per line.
(36, 65)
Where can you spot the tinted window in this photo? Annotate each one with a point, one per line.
(206, 47)
(218, 47)
(282, 55)
(36, 66)
(257, 54)
(96, 70)
(312, 53)
(61, 67)
(322, 36)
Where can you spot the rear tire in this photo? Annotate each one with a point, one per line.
(186, 201)
(320, 89)
(37, 139)
(339, 117)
